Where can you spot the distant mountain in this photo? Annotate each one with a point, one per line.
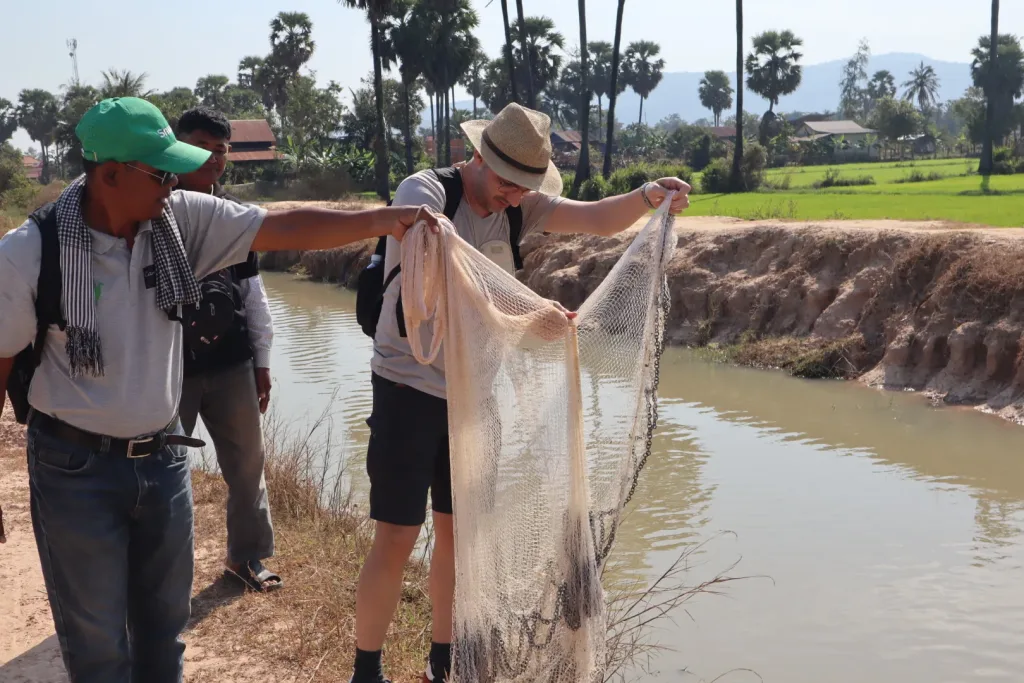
(819, 91)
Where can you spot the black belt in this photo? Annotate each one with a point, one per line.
(129, 448)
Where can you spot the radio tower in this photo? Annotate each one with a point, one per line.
(73, 53)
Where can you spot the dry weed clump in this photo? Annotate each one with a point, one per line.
(322, 538)
(805, 357)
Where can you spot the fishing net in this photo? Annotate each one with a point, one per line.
(551, 422)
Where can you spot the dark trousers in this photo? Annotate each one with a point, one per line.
(115, 540)
(230, 408)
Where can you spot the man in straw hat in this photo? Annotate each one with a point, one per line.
(106, 273)
(511, 180)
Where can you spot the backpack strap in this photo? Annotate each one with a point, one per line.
(48, 288)
(451, 181)
(515, 232)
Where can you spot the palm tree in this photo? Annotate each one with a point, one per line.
(38, 115)
(447, 27)
(408, 44)
(1003, 84)
(737, 156)
(583, 165)
(123, 83)
(644, 73)
(986, 164)
(376, 11)
(291, 40)
(600, 75)
(923, 86)
(716, 93)
(609, 138)
(473, 79)
(531, 96)
(509, 60)
(773, 69)
(542, 45)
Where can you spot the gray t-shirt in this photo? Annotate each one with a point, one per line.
(142, 348)
(392, 358)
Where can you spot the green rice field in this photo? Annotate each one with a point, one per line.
(956, 196)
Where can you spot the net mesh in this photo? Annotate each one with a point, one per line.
(551, 423)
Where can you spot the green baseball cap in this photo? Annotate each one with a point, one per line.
(131, 129)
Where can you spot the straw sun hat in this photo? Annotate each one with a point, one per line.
(517, 146)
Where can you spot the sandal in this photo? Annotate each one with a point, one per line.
(253, 574)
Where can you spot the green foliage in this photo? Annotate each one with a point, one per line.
(895, 119)
(8, 120)
(752, 165)
(1007, 82)
(923, 87)
(641, 71)
(700, 152)
(12, 174)
(314, 113)
(916, 176)
(595, 189)
(174, 103)
(773, 68)
(628, 179)
(123, 83)
(834, 179)
(715, 93)
(1003, 161)
(715, 178)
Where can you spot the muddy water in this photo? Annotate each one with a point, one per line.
(885, 535)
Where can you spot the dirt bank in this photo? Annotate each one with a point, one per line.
(931, 306)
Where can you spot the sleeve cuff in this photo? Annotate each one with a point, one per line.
(261, 358)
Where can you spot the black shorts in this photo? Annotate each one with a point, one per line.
(408, 454)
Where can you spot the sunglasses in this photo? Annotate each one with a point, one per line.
(165, 179)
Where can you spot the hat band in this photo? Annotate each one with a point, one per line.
(519, 166)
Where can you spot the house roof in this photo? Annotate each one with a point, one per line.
(724, 131)
(569, 136)
(29, 161)
(259, 155)
(837, 127)
(252, 130)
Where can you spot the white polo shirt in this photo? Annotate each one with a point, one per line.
(142, 348)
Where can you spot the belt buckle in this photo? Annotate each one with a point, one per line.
(131, 447)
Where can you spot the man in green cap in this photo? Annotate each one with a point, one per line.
(92, 290)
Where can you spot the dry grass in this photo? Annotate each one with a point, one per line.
(307, 628)
(805, 357)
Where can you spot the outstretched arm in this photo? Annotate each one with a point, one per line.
(307, 229)
(614, 214)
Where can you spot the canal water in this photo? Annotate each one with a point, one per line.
(882, 537)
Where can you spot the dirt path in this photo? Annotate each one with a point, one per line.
(29, 652)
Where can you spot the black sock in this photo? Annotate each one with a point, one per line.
(440, 660)
(368, 668)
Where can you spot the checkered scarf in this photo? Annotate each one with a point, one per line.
(176, 284)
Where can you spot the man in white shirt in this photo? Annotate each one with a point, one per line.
(227, 369)
(510, 181)
(91, 356)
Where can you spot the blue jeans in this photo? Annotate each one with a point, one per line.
(115, 540)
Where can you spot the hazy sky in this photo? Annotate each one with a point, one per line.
(178, 42)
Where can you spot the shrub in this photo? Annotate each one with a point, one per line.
(715, 179)
(752, 166)
(567, 180)
(672, 171)
(834, 179)
(700, 153)
(1003, 161)
(781, 182)
(628, 179)
(595, 189)
(919, 177)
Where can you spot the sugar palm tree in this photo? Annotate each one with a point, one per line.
(583, 164)
(716, 93)
(473, 79)
(600, 75)
(643, 71)
(376, 11)
(986, 164)
(509, 60)
(609, 139)
(737, 178)
(923, 86)
(123, 83)
(773, 69)
(407, 41)
(531, 95)
(543, 44)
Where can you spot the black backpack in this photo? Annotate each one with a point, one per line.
(372, 284)
(48, 294)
